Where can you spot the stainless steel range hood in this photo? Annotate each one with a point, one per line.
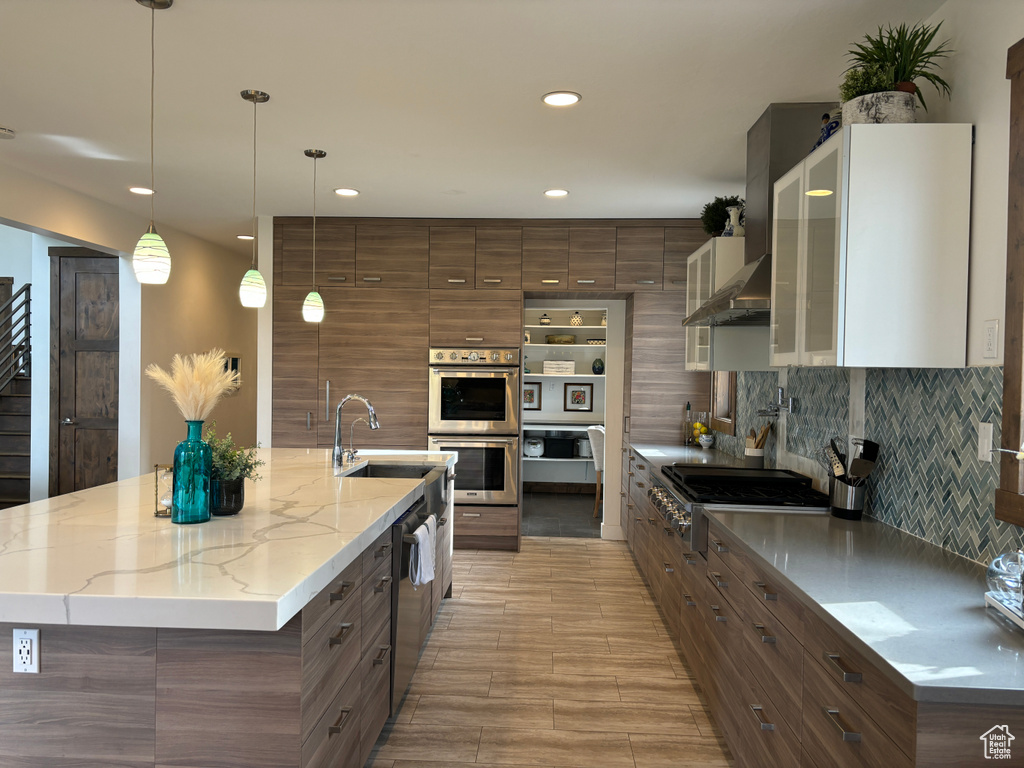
(745, 300)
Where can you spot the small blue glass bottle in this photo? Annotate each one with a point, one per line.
(193, 466)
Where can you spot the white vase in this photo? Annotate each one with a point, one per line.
(884, 107)
(735, 211)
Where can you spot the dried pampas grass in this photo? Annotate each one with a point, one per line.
(196, 382)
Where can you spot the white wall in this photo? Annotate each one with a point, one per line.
(197, 309)
(16, 255)
(981, 31)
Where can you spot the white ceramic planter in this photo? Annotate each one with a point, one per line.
(884, 107)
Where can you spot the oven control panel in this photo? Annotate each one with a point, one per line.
(474, 357)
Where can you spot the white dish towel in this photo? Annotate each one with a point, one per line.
(421, 557)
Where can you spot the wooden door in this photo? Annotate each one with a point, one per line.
(482, 319)
(294, 421)
(499, 258)
(392, 256)
(85, 329)
(680, 243)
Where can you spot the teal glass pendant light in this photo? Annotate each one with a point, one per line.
(313, 305)
(151, 260)
(253, 290)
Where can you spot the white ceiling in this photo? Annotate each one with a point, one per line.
(429, 107)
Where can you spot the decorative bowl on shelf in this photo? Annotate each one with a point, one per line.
(595, 342)
(561, 338)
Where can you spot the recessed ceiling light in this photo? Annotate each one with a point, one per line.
(140, 190)
(245, 237)
(556, 192)
(818, 192)
(561, 98)
(345, 192)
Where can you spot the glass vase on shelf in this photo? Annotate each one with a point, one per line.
(696, 425)
(193, 467)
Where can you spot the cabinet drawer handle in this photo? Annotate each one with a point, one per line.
(474, 338)
(719, 546)
(586, 282)
(651, 520)
(689, 559)
(718, 617)
(382, 551)
(758, 711)
(718, 580)
(442, 522)
(678, 282)
(342, 636)
(471, 514)
(309, 418)
(337, 279)
(327, 401)
(630, 474)
(336, 728)
(639, 519)
(764, 592)
(689, 600)
(668, 530)
(456, 280)
(641, 466)
(384, 651)
(645, 282)
(833, 715)
(382, 584)
(371, 279)
(640, 485)
(492, 279)
(551, 282)
(848, 677)
(669, 568)
(622, 494)
(765, 637)
(340, 594)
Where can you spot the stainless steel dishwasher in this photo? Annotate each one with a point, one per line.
(410, 606)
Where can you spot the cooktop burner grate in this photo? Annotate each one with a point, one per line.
(753, 487)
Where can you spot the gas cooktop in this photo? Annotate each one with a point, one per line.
(744, 487)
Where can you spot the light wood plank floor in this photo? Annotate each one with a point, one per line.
(552, 657)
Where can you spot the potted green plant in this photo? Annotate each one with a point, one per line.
(884, 66)
(231, 465)
(715, 214)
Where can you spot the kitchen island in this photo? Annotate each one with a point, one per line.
(254, 640)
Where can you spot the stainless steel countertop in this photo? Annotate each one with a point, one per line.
(658, 455)
(916, 610)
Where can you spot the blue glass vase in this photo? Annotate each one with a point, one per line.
(193, 466)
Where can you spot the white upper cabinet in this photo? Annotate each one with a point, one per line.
(870, 250)
(707, 270)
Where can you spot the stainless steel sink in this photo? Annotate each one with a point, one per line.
(393, 470)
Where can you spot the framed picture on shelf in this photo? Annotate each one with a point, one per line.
(579, 397)
(532, 391)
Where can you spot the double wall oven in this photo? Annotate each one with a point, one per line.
(474, 410)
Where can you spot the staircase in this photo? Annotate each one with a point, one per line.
(15, 396)
(15, 431)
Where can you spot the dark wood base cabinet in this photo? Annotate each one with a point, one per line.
(314, 694)
(785, 689)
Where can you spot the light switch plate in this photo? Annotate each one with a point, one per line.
(984, 441)
(991, 348)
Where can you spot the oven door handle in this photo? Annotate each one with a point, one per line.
(467, 440)
(508, 370)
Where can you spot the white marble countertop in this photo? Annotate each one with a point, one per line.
(100, 557)
(916, 610)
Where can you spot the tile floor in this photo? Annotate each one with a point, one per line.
(553, 657)
(560, 514)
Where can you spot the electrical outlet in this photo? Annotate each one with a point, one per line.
(984, 441)
(26, 650)
(991, 348)
(551, 386)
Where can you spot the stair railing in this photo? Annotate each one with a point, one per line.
(15, 343)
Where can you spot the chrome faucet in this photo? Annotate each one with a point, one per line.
(781, 404)
(340, 454)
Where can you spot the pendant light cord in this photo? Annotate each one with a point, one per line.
(152, 108)
(254, 183)
(314, 222)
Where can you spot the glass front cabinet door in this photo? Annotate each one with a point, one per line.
(699, 279)
(784, 349)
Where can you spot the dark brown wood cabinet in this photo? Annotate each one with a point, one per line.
(499, 258)
(545, 258)
(293, 251)
(680, 243)
(591, 259)
(476, 319)
(639, 258)
(392, 255)
(453, 257)
(375, 344)
(296, 353)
